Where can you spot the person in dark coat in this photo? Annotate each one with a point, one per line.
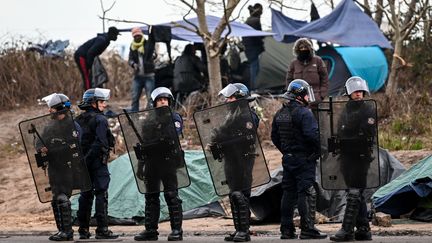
(356, 134)
(63, 172)
(238, 162)
(161, 167)
(295, 134)
(254, 46)
(85, 54)
(309, 67)
(96, 143)
(141, 59)
(189, 73)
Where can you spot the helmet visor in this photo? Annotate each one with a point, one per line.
(228, 91)
(102, 94)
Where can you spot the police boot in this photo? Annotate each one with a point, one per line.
(307, 204)
(102, 231)
(346, 233)
(176, 215)
(288, 232)
(152, 211)
(234, 212)
(84, 214)
(362, 232)
(62, 214)
(242, 204)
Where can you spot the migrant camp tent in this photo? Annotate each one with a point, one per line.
(410, 191)
(342, 63)
(346, 25)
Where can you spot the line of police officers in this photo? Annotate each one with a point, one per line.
(294, 132)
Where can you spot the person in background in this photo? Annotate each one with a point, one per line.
(295, 134)
(86, 53)
(309, 67)
(254, 46)
(141, 59)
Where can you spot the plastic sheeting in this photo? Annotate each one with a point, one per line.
(125, 201)
(405, 192)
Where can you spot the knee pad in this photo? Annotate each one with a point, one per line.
(61, 200)
(152, 198)
(171, 198)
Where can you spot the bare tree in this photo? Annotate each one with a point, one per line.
(104, 11)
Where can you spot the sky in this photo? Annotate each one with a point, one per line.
(78, 20)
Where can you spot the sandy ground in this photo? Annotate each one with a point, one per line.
(21, 211)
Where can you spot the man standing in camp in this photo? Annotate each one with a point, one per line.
(254, 46)
(97, 141)
(309, 67)
(87, 52)
(295, 134)
(356, 139)
(141, 59)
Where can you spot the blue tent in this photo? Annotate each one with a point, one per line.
(346, 25)
(237, 29)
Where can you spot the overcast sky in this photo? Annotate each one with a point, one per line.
(78, 21)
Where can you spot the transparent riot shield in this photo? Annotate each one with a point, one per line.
(154, 149)
(232, 148)
(53, 150)
(349, 145)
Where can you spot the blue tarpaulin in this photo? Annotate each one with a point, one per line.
(346, 25)
(237, 29)
(366, 62)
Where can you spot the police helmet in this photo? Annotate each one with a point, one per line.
(299, 88)
(57, 101)
(92, 95)
(161, 92)
(354, 84)
(237, 90)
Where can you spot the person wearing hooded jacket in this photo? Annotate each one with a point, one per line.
(96, 143)
(86, 53)
(309, 67)
(295, 134)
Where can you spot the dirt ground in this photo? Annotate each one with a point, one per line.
(21, 211)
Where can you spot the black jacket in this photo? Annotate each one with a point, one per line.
(93, 48)
(149, 48)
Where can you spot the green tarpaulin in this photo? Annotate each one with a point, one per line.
(125, 201)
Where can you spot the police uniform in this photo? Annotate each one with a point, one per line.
(295, 134)
(161, 167)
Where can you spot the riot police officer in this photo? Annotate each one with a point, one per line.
(97, 141)
(61, 176)
(357, 126)
(295, 134)
(238, 171)
(156, 171)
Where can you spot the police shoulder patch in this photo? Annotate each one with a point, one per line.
(177, 124)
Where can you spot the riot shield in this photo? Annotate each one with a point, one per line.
(349, 145)
(231, 146)
(154, 149)
(54, 154)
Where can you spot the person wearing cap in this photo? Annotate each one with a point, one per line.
(60, 174)
(96, 143)
(161, 168)
(238, 169)
(141, 59)
(295, 134)
(86, 53)
(357, 123)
